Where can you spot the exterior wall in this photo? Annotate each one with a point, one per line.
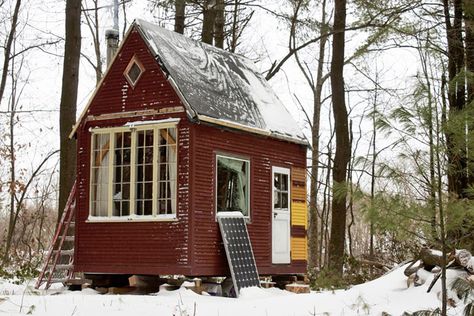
(133, 247)
(263, 153)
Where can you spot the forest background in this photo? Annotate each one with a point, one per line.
(382, 89)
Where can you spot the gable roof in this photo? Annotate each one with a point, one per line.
(218, 86)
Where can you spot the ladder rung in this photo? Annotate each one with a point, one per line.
(58, 280)
(69, 238)
(63, 266)
(71, 224)
(68, 252)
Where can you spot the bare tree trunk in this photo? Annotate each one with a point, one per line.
(342, 155)
(8, 47)
(219, 24)
(93, 25)
(313, 243)
(13, 184)
(351, 193)
(179, 18)
(457, 180)
(469, 49)
(124, 11)
(441, 211)
(208, 20)
(234, 30)
(432, 148)
(67, 111)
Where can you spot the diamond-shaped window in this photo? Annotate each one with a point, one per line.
(134, 71)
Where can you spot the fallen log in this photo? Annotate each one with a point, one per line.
(413, 267)
(432, 260)
(376, 264)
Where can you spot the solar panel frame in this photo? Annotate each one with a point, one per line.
(239, 252)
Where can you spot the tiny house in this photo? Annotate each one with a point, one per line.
(176, 132)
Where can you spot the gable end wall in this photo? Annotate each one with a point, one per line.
(133, 247)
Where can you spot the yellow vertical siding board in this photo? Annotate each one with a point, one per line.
(299, 248)
(299, 214)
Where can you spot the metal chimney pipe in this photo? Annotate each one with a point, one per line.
(112, 36)
(112, 39)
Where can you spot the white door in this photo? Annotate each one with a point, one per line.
(281, 215)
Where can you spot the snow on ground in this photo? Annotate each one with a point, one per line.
(387, 294)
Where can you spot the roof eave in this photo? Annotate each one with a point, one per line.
(253, 130)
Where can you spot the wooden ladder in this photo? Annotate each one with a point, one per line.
(59, 263)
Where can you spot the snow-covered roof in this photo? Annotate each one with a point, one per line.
(220, 85)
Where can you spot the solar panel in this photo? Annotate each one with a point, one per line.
(238, 250)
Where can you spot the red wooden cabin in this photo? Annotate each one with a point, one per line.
(176, 131)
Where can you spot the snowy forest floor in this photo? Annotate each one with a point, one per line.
(387, 294)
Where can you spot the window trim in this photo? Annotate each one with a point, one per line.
(229, 156)
(132, 61)
(156, 126)
(285, 171)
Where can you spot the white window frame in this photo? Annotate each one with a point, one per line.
(133, 61)
(156, 126)
(248, 216)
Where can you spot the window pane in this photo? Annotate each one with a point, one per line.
(127, 140)
(125, 208)
(148, 208)
(276, 181)
(134, 72)
(284, 182)
(121, 178)
(276, 199)
(232, 185)
(140, 157)
(139, 207)
(149, 138)
(166, 171)
(148, 172)
(100, 174)
(144, 172)
(284, 200)
(140, 138)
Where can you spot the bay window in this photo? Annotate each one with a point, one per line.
(134, 172)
